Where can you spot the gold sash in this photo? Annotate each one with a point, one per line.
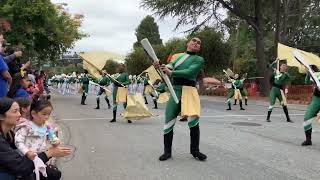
(80, 90)
(284, 99)
(190, 102)
(122, 95)
(237, 94)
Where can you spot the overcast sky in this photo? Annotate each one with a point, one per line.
(111, 24)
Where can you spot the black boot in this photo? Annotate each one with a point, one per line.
(235, 102)
(194, 145)
(241, 108)
(145, 100)
(114, 116)
(285, 109)
(155, 104)
(84, 100)
(229, 105)
(98, 104)
(246, 101)
(268, 117)
(308, 141)
(108, 102)
(167, 141)
(129, 121)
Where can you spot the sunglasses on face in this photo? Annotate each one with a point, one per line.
(196, 41)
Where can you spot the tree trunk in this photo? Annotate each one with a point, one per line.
(285, 19)
(261, 62)
(262, 65)
(277, 30)
(235, 48)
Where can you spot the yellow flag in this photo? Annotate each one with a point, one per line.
(136, 108)
(286, 52)
(153, 74)
(94, 61)
(91, 70)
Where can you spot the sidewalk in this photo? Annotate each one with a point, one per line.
(259, 101)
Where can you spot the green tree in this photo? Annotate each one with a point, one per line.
(188, 12)
(45, 30)
(294, 23)
(175, 45)
(214, 50)
(111, 66)
(137, 61)
(148, 28)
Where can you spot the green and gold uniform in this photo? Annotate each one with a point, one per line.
(148, 90)
(279, 79)
(103, 81)
(185, 69)
(85, 88)
(312, 111)
(120, 96)
(235, 90)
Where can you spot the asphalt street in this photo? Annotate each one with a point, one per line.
(240, 145)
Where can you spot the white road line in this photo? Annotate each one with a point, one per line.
(205, 116)
(83, 119)
(253, 115)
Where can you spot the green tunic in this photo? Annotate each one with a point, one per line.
(122, 78)
(236, 84)
(279, 80)
(162, 88)
(104, 81)
(242, 88)
(145, 82)
(85, 83)
(72, 80)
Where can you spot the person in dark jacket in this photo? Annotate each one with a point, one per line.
(12, 164)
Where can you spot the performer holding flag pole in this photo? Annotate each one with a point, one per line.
(85, 87)
(279, 79)
(119, 93)
(313, 74)
(184, 71)
(103, 81)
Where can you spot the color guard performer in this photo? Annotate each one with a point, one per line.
(85, 87)
(279, 79)
(184, 71)
(104, 81)
(313, 108)
(119, 92)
